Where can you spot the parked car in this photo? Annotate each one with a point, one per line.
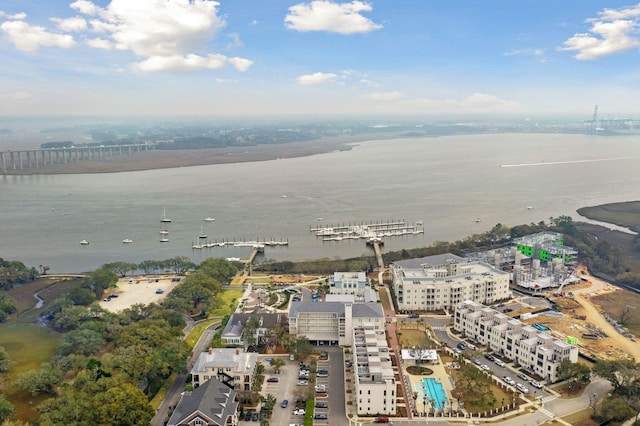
(522, 388)
(381, 420)
(535, 384)
(247, 416)
(509, 380)
(303, 382)
(321, 404)
(489, 357)
(255, 416)
(476, 361)
(273, 380)
(485, 367)
(320, 416)
(299, 412)
(414, 316)
(159, 291)
(323, 373)
(523, 377)
(499, 362)
(284, 403)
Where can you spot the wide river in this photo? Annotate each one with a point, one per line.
(447, 182)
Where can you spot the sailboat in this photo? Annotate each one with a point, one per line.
(127, 241)
(202, 234)
(164, 217)
(209, 219)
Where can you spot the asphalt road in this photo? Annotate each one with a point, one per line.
(173, 395)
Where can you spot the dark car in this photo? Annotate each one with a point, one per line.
(320, 404)
(255, 416)
(489, 357)
(284, 403)
(273, 380)
(414, 316)
(247, 416)
(320, 416)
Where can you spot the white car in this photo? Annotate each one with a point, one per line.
(303, 382)
(509, 380)
(298, 412)
(485, 367)
(499, 362)
(535, 384)
(522, 388)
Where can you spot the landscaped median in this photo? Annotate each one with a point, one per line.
(308, 414)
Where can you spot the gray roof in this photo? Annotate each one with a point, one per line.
(359, 310)
(438, 259)
(236, 323)
(212, 401)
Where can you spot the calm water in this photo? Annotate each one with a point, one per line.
(447, 182)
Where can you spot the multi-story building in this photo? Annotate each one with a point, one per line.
(231, 366)
(234, 332)
(348, 283)
(529, 347)
(443, 281)
(375, 385)
(332, 323)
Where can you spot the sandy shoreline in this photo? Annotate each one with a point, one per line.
(164, 159)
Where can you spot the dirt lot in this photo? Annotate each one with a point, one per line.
(583, 305)
(139, 289)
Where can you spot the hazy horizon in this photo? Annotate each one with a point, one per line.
(322, 57)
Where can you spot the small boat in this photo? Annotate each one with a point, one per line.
(164, 231)
(419, 223)
(477, 220)
(202, 234)
(319, 218)
(164, 240)
(84, 243)
(127, 241)
(283, 196)
(529, 207)
(209, 219)
(164, 217)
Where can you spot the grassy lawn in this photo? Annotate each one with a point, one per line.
(501, 397)
(619, 301)
(581, 418)
(228, 303)
(195, 334)
(408, 337)
(258, 279)
(384, 299)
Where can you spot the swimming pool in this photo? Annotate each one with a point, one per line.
(435, 392)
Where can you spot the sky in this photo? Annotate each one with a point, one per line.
(319, 57)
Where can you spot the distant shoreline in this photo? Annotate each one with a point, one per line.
(165, 159)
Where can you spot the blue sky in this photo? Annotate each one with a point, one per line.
(272, 57)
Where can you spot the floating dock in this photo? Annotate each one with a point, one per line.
(371, 231)
(253, 244)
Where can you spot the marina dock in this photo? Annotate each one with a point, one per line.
(367, 230)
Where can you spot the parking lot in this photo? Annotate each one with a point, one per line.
(330, 398)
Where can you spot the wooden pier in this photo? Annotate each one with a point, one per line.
(367, 230)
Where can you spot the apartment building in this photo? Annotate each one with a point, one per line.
(375, 385)
(332, 323)
(232, 366)
(533, 349)
(348, 283)
(443, 281)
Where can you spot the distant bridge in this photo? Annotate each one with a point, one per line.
(40, 158)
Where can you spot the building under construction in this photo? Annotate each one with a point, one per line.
(535, 262)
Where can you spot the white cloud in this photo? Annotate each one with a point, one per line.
(29, 38)
(538, 54)
(613, 31)
(168, 35)
(235, 41)
(17, 16)
(324, 15)
(16, 96)
(99, 43)
(85, 7)
(384, 96)
(74, 24)
(476, 103)
(316, 78)
(189, 62)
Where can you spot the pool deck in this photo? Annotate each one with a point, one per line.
(439, 373)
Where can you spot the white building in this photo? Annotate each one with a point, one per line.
(375, 385)
(534, 350)
(444, 281)
(231, 366)
(233, 333)
(332, 323)
(348, 283)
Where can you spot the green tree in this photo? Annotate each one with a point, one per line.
(6, 409)
(43, 380)
(276, 363)
(615, 409)
(80, 341)
(99, 280)
(574, 373)
(124, 405)
(300, 347)
(180, 264)
(624, 375)
(249, 335)
(5, 360)
(121, 268)
(219, 269)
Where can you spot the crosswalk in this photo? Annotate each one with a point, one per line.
(438, 328)
(547, 412)
(548, 398)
